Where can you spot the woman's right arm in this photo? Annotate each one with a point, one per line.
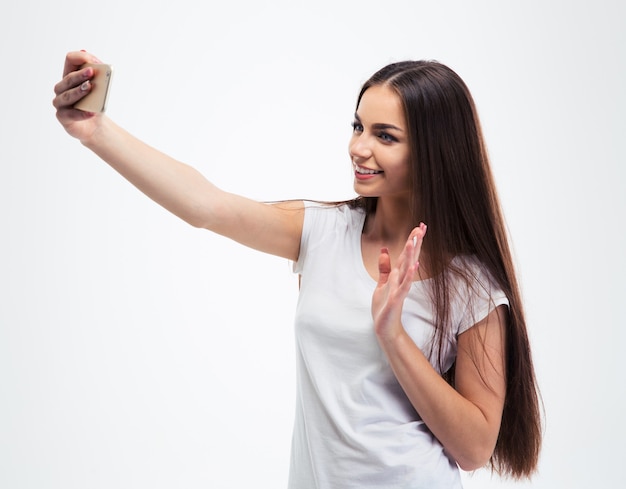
(274, 229)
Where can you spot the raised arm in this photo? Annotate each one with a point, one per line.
(466, 420)
(181, 189)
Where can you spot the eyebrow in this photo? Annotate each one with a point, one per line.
(380, 125)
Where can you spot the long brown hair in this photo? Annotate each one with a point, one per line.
(454, 193)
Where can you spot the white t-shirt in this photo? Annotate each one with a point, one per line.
(354, 426)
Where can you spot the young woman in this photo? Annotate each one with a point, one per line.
(412, 350)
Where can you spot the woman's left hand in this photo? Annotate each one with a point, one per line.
(394, 284)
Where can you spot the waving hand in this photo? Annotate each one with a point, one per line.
(394, 284)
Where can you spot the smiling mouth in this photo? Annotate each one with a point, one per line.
(366, 171)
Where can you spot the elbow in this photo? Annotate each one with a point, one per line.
(475, 450)
(471, 466)
(195, 221)
(475, 459)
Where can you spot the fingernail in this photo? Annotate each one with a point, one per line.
(85, 86)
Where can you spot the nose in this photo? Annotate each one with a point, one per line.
(360, 147)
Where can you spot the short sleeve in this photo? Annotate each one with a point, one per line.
(320, 221)
(474, 301)
(304, 239)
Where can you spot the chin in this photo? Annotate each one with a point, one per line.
(364, 192)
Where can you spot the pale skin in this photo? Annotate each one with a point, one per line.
(465, 419)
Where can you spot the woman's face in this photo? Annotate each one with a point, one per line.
(379, 147)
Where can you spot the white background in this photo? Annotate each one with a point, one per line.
(136, 351)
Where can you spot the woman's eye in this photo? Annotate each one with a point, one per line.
(388, 138)
(357, 127)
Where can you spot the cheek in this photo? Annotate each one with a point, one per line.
(399, 161)
(403, 169)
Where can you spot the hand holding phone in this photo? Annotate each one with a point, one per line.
(96, 100)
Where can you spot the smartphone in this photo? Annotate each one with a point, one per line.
(96, 100)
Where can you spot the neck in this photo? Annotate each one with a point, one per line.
(391, 223)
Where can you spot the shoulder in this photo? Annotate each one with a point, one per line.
(474, 292)
(327, 216)
(328, 227)
(469, 271)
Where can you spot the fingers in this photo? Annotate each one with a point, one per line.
(384, 266)
(73, 79)
(394, 283)
(72, 88)
(76, 80)
(417, 237)
(75, 59)
(408, 261)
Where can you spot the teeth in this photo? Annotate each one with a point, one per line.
(365, 171)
